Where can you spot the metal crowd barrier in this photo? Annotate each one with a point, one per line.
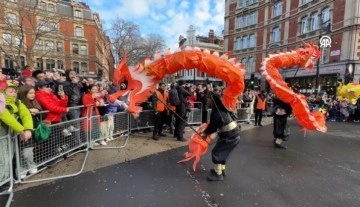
(109, 127)
(145, 120)
(67, 138)
(6, 172)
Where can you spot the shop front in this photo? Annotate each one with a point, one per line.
(304, 81)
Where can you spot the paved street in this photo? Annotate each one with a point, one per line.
(319, 170)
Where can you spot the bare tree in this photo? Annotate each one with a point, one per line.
(25, 23)
(126, 36)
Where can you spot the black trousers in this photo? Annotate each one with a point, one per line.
(224, 146)
(258, 116)
(204, 116)
(160, 119)
(179, 123)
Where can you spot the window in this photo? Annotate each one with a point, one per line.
(53, 26)
(83, 50)
(325, 17)
(39, 64)
(7, 39)
(276, 34)
(239, 22)
(314, 21)
(243, 61)
(277, 9)
(76, 67)
(84, 67)
(50, 64)
(43, 25)
(248, 2)
(51, 7)
(59, 46)
(305, 1)
(60, 64)
(22, 61)
(38, 45)
(238, 43)
(304, 25)
(49, 46)
(9, 63)
(78, 13)
(43, 5)
(11, 18)
(250, 65)
(18, 41)
(253, 17)
(75, 49)
(240, 3)
(325, 54)
(78, 32)
(252, 41)
(245, 42)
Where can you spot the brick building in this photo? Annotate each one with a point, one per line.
(256, 28)
(211, 42)
(58, 34)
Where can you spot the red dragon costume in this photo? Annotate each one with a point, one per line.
(142, 80)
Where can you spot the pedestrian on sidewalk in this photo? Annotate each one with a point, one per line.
(224, 123)
(260, 106)
(281, 129)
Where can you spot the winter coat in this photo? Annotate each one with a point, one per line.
(90, 109)
(55, 106)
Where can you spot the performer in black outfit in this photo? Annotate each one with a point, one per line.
(223, 122)
(281, 130)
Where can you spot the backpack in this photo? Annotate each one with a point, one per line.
(174, 97)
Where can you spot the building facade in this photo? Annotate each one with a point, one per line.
(211, 42)
(54, 34)
(256, 28)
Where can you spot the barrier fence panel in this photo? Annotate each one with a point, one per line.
(194, 116)
(66, 139)
(145, 120)
(108, 128)
(6, 173)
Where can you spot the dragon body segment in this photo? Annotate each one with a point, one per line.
(303, 58)
(142, 79)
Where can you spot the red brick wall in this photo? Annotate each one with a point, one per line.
(90, 33)
(232, 20)
(336, 40)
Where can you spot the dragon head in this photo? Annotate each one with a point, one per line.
(309, 55)
(135, 85)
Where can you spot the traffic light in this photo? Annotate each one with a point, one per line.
(252, 80)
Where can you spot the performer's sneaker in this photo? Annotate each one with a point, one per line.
(280, 146)
(213, 176)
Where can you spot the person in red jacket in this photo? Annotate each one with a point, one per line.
(56, 105)
(91, 100)
(49, 101)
